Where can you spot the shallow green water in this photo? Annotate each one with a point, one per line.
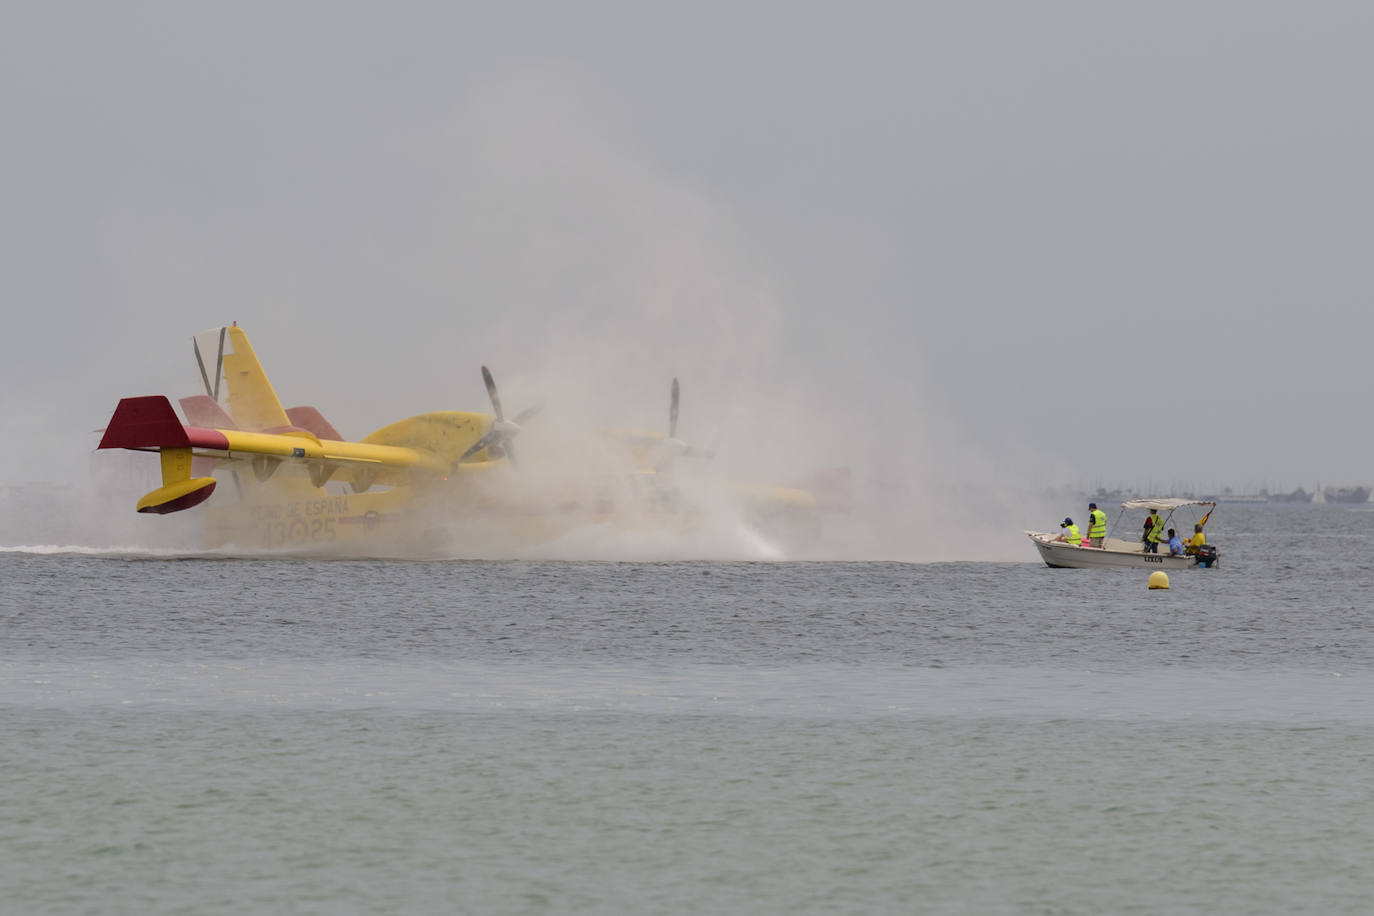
(216, 735)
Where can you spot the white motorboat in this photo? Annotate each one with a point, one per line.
(1117, 552)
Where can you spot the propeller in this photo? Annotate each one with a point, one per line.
(672, 445)
(491, 391)
(502, 430)
(672, 411)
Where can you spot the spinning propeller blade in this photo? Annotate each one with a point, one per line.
(502, 431)
(491, 392)
(477, 446)
(672, 446)
(672, 412)
(525, 414)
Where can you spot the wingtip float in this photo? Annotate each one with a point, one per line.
(150, 423)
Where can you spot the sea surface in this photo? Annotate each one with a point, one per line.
(205, 734)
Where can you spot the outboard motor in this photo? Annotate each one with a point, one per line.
(1206, 555)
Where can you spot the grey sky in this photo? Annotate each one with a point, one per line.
(1041, 243)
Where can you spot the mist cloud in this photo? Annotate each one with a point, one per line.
(972, 253)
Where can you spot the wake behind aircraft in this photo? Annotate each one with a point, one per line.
(297, 484)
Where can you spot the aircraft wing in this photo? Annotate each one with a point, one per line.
(151, 424)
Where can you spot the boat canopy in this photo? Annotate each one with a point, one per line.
(1166, 504)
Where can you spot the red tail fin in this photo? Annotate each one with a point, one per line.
(203, 410)
(310, 419)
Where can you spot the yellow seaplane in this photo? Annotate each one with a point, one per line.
(299, 485)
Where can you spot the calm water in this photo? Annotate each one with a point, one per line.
(224, 735)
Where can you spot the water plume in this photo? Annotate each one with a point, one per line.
(588, 274)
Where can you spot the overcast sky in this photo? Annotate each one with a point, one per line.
(1040, 243)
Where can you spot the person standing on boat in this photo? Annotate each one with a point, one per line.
(1097, 525)
(1175, 544)
(1070, 534)
(1154, 528)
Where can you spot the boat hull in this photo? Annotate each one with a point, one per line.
(1058, 554)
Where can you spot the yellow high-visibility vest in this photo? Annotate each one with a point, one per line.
(1098, 529)
(1071, 534)
(1156, 528)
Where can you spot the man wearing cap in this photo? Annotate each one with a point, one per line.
(1154, 528)
(1070, 534)
(1097, 525)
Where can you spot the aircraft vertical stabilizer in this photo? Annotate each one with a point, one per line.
(227, 354)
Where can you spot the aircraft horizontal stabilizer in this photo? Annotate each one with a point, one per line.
(308, 418)
(203, 410)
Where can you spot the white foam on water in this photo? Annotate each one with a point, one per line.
(87, 551)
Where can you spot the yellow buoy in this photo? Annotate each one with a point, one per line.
(1159, 579)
